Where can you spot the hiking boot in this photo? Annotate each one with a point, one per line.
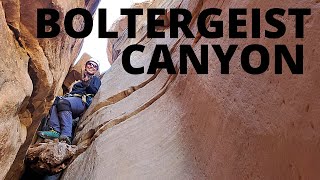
(65, 138)
(52, 134)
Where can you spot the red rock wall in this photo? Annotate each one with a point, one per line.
(214, 126)
(32, 72)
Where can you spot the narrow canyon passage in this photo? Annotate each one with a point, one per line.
(225, 123)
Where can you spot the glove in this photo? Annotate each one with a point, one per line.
(86, 80)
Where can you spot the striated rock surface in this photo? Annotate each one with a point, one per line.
(236, 126)
(31, 73)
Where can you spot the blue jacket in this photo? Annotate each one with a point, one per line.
(90, 87)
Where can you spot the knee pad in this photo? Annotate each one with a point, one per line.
(63, 105)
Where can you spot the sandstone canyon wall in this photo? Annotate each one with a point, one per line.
(31, 73)
(214, 126)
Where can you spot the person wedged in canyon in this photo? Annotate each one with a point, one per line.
(72, 105)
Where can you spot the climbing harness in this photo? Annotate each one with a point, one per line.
(86, 98)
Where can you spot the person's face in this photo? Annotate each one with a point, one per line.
(91, 67)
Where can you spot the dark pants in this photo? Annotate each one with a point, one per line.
(62, 121)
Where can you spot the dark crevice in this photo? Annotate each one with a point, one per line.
(16, 34)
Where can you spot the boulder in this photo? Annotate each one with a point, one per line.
(50, 157)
